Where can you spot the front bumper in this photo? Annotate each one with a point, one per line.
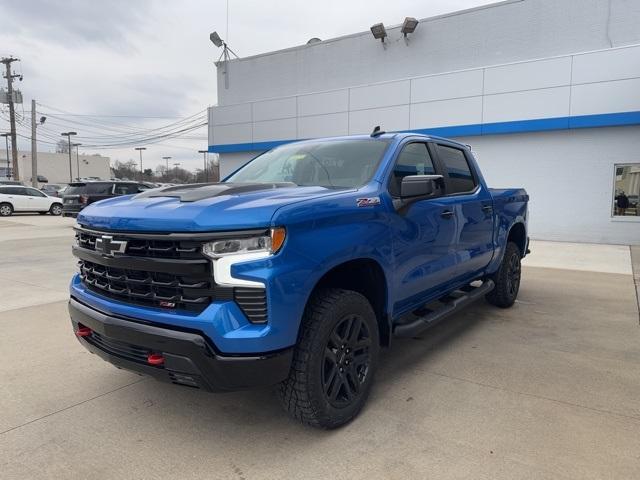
(189, 358)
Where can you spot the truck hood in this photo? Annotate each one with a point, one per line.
(198, 208)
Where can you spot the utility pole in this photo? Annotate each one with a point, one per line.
(77, 145)
(140, 149)
(34, 144)
(176, 165)
(6, 137)
(12, 112)
(68, 135)
(166, 159)
(204, 155)
(34, 147)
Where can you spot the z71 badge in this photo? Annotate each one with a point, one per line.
(368, 202)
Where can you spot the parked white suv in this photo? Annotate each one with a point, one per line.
(17, 198)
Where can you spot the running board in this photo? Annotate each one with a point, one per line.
(451, 305)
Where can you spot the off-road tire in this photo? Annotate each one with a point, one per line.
(507, 278)
(55, 209)
(306, 393)
(6, 209)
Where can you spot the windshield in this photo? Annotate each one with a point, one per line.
(333, 164)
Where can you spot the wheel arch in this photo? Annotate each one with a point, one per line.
(365, 276)
(518, 235)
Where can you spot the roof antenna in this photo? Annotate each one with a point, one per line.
(377, 132)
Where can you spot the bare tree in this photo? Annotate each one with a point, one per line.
(62, 146)
(125, 170)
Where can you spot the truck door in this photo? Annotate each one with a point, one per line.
(471, 205)
(423, 236)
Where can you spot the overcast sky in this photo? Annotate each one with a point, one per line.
(149, 58)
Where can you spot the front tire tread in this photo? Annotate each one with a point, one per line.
(297, 393)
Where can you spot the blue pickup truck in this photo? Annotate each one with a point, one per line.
(297, 268)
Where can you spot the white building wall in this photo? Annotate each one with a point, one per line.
(233, 161)
(499, 33)
(602, 82)
(569, 176)
(55, 166)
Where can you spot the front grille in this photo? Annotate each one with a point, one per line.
(156, 289)
(169, 273)
(118, 348)
(142, 247)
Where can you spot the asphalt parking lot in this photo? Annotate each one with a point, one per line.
(549, 389)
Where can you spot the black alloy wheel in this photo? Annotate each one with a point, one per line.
(513, 275)
(346, 361)
(507, 278)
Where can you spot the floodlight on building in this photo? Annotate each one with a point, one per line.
(409, 26)
(379, 32)
(224, 56)
(215, 38)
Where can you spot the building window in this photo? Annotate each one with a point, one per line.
(626, 190)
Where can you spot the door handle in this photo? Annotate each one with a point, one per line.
(487, 208)
(447, 214)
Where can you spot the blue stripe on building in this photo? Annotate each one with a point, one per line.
(516, 126)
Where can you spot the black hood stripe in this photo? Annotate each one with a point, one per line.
(201, 191)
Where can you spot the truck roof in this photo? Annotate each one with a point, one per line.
(395, 135)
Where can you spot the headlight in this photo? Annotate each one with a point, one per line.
(270, 244)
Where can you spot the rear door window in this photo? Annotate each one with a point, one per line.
(32, 192)
(457, 169)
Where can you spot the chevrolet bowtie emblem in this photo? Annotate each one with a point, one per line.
(109, 247)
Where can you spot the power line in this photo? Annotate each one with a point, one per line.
(106, 134)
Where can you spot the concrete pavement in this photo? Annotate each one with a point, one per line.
(547, 389)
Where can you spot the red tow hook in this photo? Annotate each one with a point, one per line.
(155, 359)
(84, 331)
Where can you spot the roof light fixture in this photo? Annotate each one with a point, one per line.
(409, 26)
(215, 38)
(379, 32)
(224, 56)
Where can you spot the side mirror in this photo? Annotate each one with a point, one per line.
(414, 186)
